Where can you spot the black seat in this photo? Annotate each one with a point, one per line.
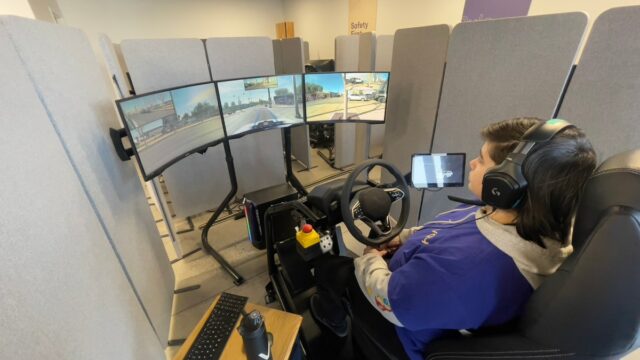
(590, 308)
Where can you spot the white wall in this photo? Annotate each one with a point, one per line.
(319, 23)
(400, 14)
(592, 7)
(16, 7)
(150, 19)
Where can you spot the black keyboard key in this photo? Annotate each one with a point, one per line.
(218, 328)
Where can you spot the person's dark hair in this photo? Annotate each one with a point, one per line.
(556, 172)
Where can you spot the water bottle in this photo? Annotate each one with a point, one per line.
(257, 342)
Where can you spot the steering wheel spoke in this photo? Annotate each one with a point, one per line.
(395, 194)
(379, 228)
(356, 211)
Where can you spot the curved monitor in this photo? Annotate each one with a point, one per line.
(168, 125)
(261, 103)
(346, 97)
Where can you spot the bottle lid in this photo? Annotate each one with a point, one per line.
(307, 228)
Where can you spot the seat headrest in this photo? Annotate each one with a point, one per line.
(615, 183)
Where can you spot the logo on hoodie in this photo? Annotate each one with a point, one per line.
(426, 239)
(383, 304)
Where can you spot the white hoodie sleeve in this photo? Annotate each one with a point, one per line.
(373, 276)
(405, 234)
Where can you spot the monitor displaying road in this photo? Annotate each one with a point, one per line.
(261, 103)
(349, 97)
(168, 125)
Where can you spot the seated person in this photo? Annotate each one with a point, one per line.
(470, 267)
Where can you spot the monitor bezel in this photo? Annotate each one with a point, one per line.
(147, 176)
(458, 184)
(349, 121)
(248, 132)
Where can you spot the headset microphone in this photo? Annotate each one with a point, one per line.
(466, 201)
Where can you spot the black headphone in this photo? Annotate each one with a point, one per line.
(504, 185)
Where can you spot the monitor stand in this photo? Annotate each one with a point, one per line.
(237, 278)
(291, 176)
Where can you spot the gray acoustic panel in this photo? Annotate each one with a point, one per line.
(78, 98)
(156, 64)
(366, 52)
(293, 63)
(258, 157)
(64, 294)
(292, 56)
(277, 56)
(366, 62)
(120, 57)
(417, 68)
(236, 57)
(496, 70)
(113, 65)
(347, 53)
(384, 50)
(603, 94)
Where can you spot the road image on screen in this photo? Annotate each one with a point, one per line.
(437, 170)
(261, 103)
(166, 126)
(348, 97)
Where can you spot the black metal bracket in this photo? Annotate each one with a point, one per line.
(237, 278)
(291, 176)
(116, 138)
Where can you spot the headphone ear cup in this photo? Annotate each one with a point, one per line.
(503, 185)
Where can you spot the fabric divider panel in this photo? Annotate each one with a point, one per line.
(384, 50)
(347, 53)
(496, 70)
(277, 56)
(107, 49)
(293, 63)
(366, 62)
(79, 100)
(64, 292)
(417, 67)
(602, 97)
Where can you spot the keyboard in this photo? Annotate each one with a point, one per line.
(219, 326)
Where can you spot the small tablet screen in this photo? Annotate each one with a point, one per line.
(437, 170)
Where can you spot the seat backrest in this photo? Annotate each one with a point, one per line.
(591, 305)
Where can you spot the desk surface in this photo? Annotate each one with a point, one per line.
(284, 327)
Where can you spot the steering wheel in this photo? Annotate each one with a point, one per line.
(373, 204)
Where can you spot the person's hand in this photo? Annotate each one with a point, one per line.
(392, 245)
(371, 250)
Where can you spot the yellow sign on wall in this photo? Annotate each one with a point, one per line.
(362, 16)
